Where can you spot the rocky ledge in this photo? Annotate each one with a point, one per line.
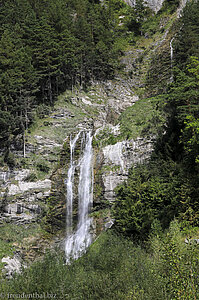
(22, 201)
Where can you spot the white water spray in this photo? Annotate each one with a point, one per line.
(77, 242)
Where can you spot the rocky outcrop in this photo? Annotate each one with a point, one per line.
(22, 201)
(23, 187)
(155, 5)
(12, 265)
(116, 160)
(120, 94)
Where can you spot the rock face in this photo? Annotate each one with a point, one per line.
(155, 5)
(120, 94)
(23, 198)
(21, 201)
(117, 159)
(23, 187)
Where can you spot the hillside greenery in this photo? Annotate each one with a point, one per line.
(50, 46)
(116, 268)
(152, 252)
(167, 186)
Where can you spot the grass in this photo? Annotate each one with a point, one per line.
(16, 233)
(12, 238)
(6, 249)
(144, 119)
(141, 119)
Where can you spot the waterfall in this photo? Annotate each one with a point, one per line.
(77, 242)
(171, 57)
(69, 185)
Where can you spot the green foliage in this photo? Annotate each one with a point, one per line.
(55, 216)
(177, 142)
(42, 166)
(12, 235)
(153, 23)
(9, 159)
(191, 137)
(115, 268)
(144, 118)
(112, 269)
(149, 193)
(105, 137)
(186, 42)
(182, 105)
(42, 111)
(31, 177)
(47, 48)
(177, 262)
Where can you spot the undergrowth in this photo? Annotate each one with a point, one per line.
(116, 268)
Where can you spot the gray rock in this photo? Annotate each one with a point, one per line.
(12, 265)
(155, 5)
(192, 241)
(119, 158)
(109, 224)
(22, 187)
(180, 8)
(4, 175)
(39, 195)
(14, 208)
(21, 175)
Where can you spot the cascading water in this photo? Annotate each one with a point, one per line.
(69, 185)
(77, 242)
(171, 56)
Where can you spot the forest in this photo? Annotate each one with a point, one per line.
(152, 250)
(168, 186)
(49, 46)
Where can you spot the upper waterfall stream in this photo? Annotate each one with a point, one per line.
(77, 241)
(171, 57)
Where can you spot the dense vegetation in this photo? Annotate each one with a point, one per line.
(48, 46)
(115, 268)
(167, 186)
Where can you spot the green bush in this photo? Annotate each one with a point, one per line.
(149, 193)
(115, 268)
(176, 262)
